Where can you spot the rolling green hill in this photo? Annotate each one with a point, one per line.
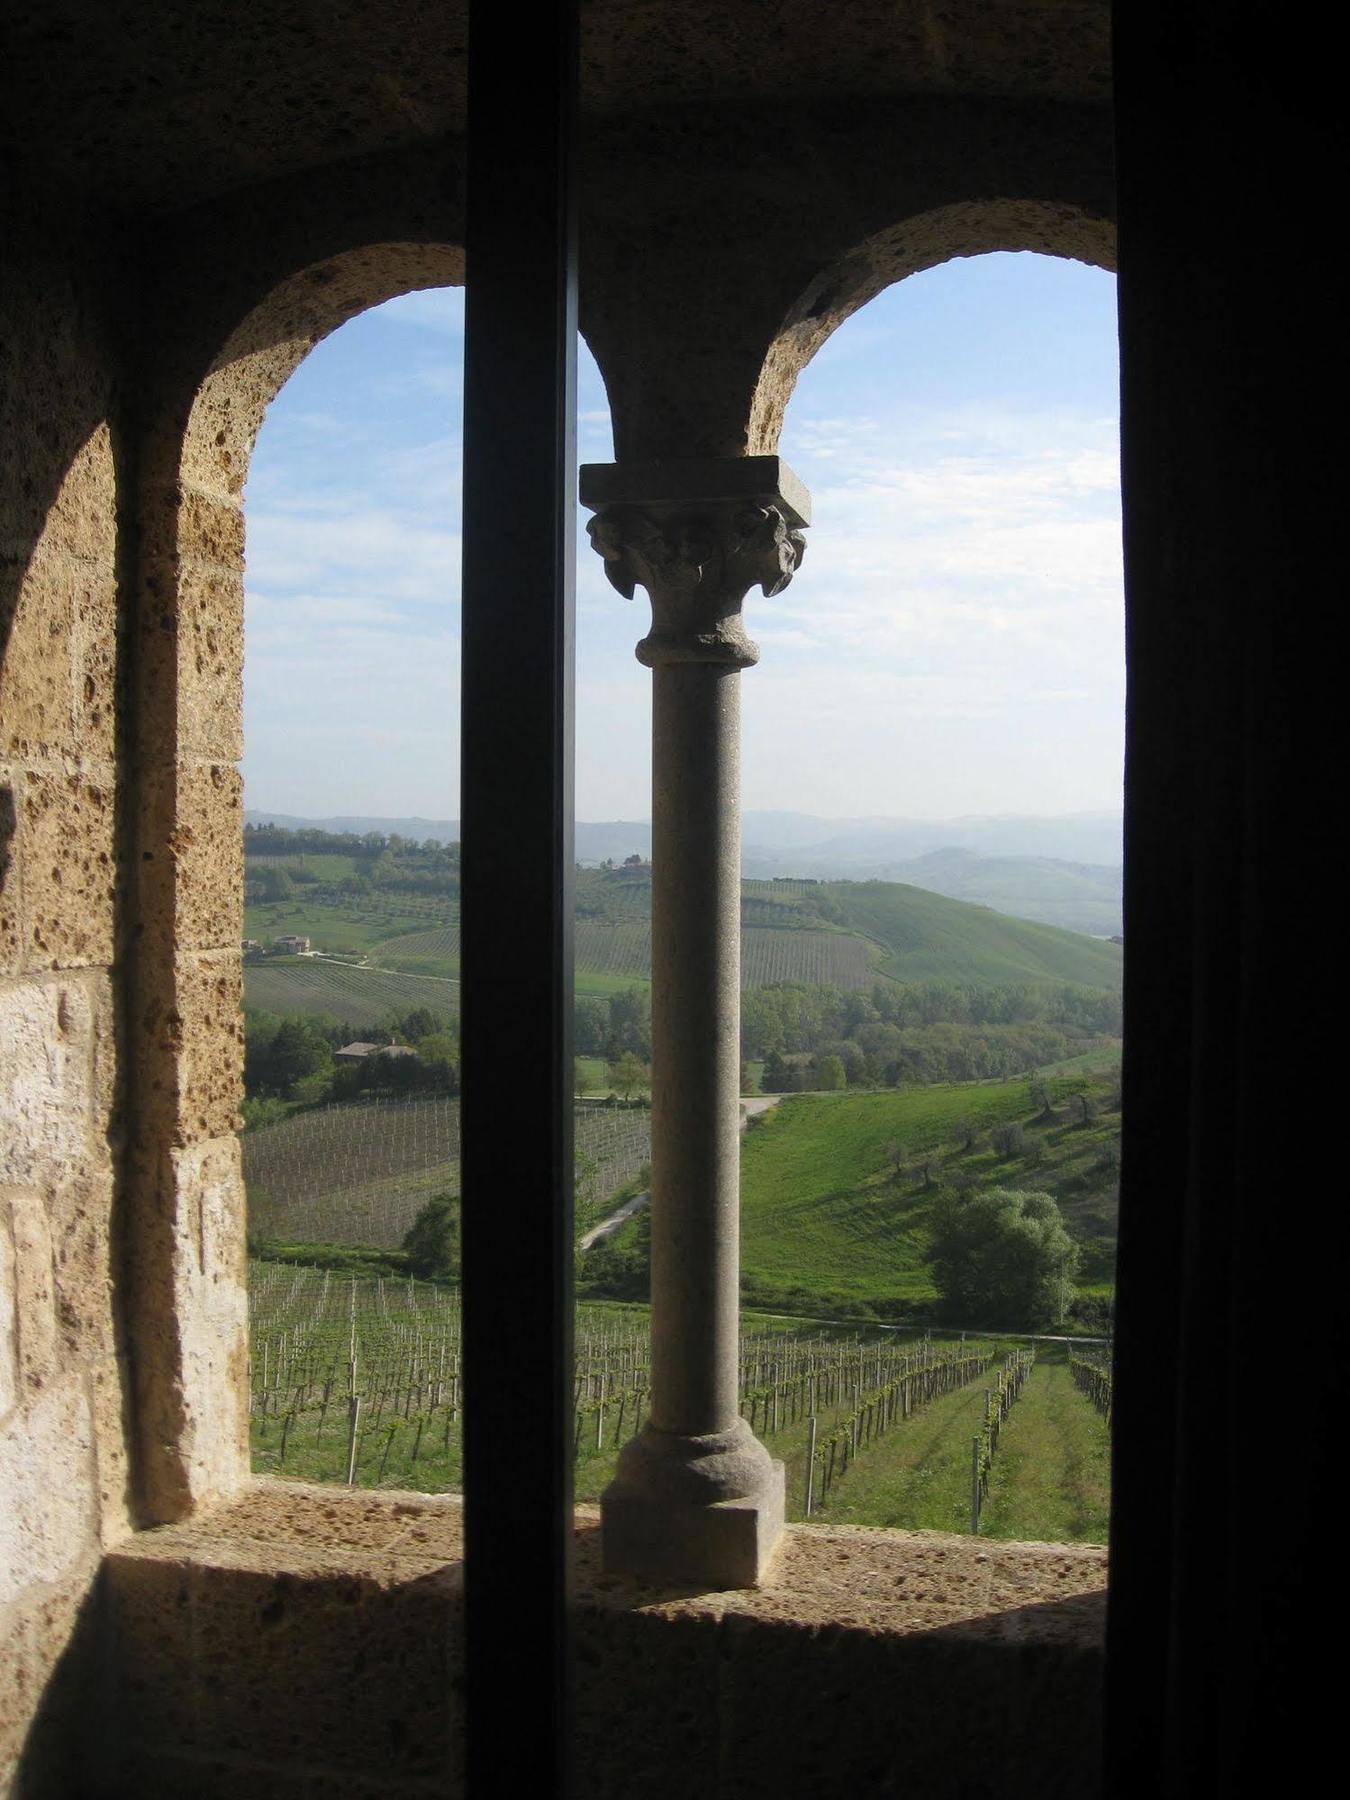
(835, 1188)
(842, 934)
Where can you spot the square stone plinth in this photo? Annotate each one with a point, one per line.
(726, 1545)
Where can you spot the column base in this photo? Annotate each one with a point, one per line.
(701, 1512)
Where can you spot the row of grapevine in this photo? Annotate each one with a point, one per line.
(998, 1403)
(925, 1373)
(1093, 1378)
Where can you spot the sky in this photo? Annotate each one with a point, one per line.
(952, 644)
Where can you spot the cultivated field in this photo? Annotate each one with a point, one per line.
(359, 1172)
(361, 1380)
(363, 997)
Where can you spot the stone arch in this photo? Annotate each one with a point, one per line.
(966, 228)
(186, 1200)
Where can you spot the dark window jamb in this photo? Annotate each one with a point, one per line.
(516, 903)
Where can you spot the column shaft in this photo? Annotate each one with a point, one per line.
(696, 955)
(695, 1496)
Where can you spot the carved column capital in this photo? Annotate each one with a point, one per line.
(698, 537)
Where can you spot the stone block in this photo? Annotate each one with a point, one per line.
(80, 1214)
(47, 1518)
(54, 1078)
(183, 524)
(95, 672)
(192, 859)
(146, 1770)
(49, 1671)
(646, 1703)
(82, 519)
(284, 1655)
(11, 899)
(190, 651)
(190, 1045)
(194, 1324)
(210, 613)
(66, 839)
(36, 1340)
(36, 666)
(149, 1618)
(109, 1382)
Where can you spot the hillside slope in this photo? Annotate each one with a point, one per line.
(836, 1188)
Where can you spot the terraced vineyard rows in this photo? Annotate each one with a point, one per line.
(615, 949)
(829, 957)
(359, 1173)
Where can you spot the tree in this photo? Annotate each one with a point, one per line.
(829, 1073)
(628, 1073)
(432, 1240)
(297, 1051)
(966, 1133)
(1008, 1139)
(276, 884)
(582, 1079)
(630, 1023)
(1001, 1258)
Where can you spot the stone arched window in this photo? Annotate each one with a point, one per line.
(188, 1293)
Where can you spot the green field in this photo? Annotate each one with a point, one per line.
(835, 1188)
(335, 928)
(363, 997)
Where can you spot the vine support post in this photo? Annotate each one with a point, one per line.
(975, 1486)
(352, 1427)
(811, 1466)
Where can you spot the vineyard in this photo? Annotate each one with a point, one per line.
(360, 1381)
(832, 958)
(363, 997)
(359, 1173)
(434, 952)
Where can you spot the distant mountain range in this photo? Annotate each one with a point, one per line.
(1059, 870)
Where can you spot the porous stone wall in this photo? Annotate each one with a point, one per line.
(63, 1444)
(306, 1643)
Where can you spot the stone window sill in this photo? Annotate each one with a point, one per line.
(308, 1635)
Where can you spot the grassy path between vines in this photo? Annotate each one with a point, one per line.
(1051, 1480)
(917, 1477)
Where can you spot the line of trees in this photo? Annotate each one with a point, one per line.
(291, 1058)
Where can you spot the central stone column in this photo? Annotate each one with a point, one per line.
(696, 1497)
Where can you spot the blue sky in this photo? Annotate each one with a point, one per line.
(953, 643)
